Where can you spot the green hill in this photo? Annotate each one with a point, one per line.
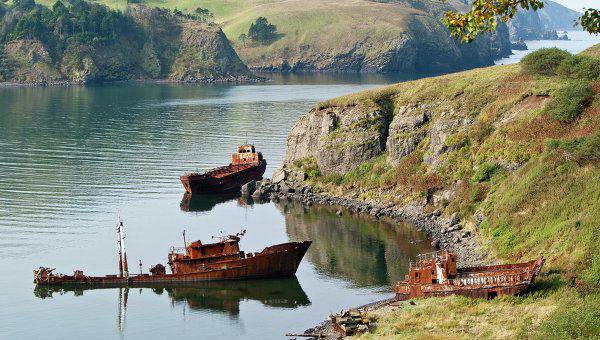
(83, 42)
(346, 35)
(514, 150)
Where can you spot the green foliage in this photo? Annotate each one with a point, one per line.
(5, 66)
(584, 150)
(150, 62)
(262, 31)
(203, 14)
(590, 20)
(580, 67)
(80, 21)
(570, 100)
(484, 172)
(309, 166)
(573, 320)
(544, 61)
(484, 16)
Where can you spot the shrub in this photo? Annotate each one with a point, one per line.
(544, 61)
(580, 67)
(262, 31)
(569, 101)
(484, 172)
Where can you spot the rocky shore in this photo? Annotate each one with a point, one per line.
(444, 233)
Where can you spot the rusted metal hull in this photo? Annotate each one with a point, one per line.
(276, 261)
(226, 179)
(477, 282)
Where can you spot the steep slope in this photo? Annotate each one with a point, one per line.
(359, 36)
(472, 143)
(543, 23)
(513, 150)
(68, 45)
(347, 35)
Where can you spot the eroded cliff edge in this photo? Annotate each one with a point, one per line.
(477, 157)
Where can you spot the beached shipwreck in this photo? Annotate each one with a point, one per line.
(196, 262)
(246, 165)
(436, 274)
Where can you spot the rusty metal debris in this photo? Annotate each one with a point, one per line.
(246, 165)
(436, 274)
(222, 260)
(350, 322)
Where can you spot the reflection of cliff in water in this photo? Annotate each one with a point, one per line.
(205, 203)
(355, 247)
(218, 296)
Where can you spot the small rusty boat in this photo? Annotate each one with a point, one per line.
(436, 274)
(246, 165)
(197, 262)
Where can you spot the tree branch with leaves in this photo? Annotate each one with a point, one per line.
(485, 15)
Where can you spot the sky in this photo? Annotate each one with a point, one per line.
(579, 4)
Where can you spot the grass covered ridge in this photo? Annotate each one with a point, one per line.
(532, 173)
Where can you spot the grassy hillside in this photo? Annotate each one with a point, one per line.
(348, 35)
(515, 150)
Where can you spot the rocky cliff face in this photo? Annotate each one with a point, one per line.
(543, 23)
(156, 45)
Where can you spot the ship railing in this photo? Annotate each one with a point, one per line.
(489, 279)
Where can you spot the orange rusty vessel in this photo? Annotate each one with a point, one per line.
(246, 165)
(436, 274)
(197, 262)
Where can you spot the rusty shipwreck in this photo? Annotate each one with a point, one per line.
(196, 262)
(436, 274)
(246, 165)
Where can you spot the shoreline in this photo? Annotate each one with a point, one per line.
(208, 81)
(444, 233)
(439, 230)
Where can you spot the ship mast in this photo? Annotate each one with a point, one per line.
(123, 268)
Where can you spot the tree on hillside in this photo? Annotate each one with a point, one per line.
(203, 14)
(485, 15)
(262, 31)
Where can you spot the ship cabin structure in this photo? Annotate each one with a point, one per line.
(198, 256)
(433, 268)
(246, 154)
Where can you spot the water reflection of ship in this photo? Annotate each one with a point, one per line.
(358, 248)
(216, 296)
(205, 203)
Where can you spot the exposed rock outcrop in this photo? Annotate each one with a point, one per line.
(339, 138)
(543, 23)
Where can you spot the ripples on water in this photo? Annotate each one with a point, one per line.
(71, 159)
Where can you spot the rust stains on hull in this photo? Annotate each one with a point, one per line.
(246, 165)
(199, 262)
(436, 274)
(277, 261)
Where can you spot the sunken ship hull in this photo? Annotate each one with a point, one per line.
(275, 261)
(225, 179)
(436, 277)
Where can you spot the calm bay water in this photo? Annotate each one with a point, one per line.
(579, 41)
(72, 159)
